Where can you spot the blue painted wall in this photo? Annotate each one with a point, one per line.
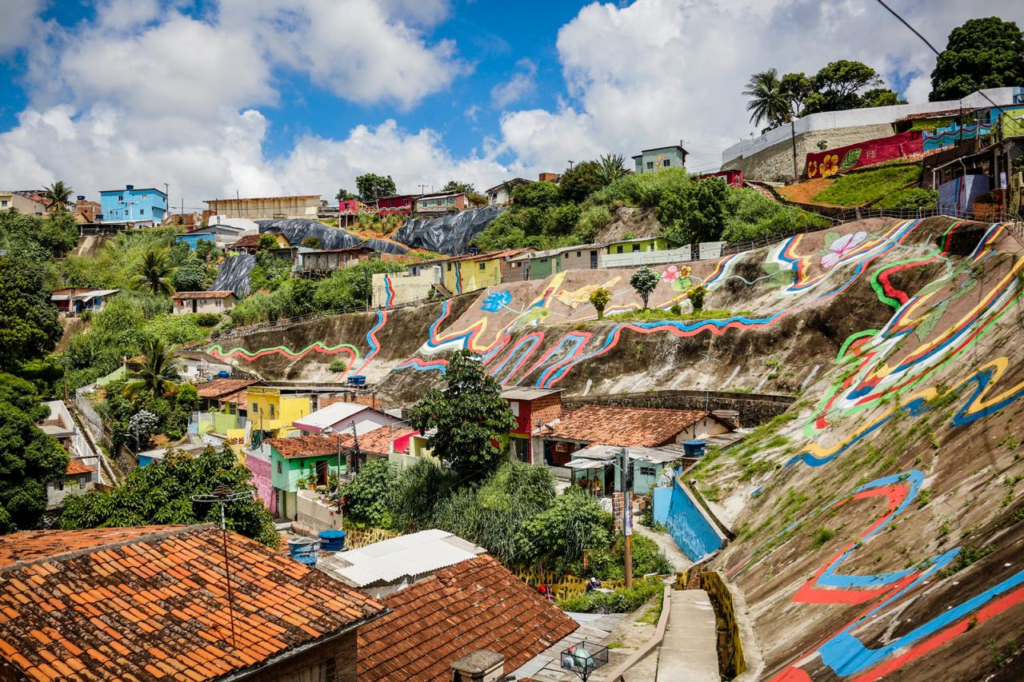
(135, 205)
(689, 527)
(662, 502)
(193, 239)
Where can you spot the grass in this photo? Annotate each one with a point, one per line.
(652, 615)
(649, 314)
(860, 189)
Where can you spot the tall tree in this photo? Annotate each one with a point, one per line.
(29, 458)
(155, 375)
(154, 274)
(469, 415)
(456, 186)
(644, 281)
(982, 53)
(57, 196)
(162, 492)
(768, 103)
(581, 181)
(372, 187)
(837, 87)
(344, 195)
(30, 326)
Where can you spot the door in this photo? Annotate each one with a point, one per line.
(322, 473)
(593, 260)
(194, 302)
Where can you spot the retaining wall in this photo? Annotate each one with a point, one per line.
(754, 408)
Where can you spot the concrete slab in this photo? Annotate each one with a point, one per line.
(689, 651)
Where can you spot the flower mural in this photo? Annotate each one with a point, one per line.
(495, 301)
(678, 277)
(842, 246)
(829, 165)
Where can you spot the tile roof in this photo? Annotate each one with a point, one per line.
(76, 468)
(219, 388)
(189, 295)
(248, 240)
(379, 440)
(239, 399)
(477, 604)
(622, 426)
(149, 603)
(309, 446)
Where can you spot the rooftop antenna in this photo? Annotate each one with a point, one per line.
(223, 496)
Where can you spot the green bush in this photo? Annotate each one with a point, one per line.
(912, 198)
(573, 524)
(207, 319)
(751, 215)
(337, 366)
(643, 189)
(592, 220)
(609, 563)
(370, 497)
(618, 601)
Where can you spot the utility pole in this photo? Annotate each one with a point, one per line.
(627, 521)
(167, 198)
(792, 131)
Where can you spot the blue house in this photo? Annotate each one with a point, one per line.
(133, 205)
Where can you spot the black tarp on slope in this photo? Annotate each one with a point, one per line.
(234, 275)
(330, 237)
(450, 234)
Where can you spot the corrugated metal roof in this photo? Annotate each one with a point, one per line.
(528, 393)
(406, 556)
(329, 416)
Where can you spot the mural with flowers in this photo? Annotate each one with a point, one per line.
(834, 161)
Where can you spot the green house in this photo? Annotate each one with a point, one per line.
(644, 244)
(297, 463)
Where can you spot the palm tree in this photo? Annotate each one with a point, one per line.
(155, 274)
(767, 102)
(612, 167)
(57, 196)
(155, 374)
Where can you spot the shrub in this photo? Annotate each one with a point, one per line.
(337, 366)
(370, 497)
(609, 563)
(697, 295)
(643, 189)
(574, 523)
(619, 601)
(207, 319)
(751, 215)
(592, 221)
(912, 198)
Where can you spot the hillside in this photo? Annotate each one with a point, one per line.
(881, 518)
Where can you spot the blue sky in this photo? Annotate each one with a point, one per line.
(266, 97)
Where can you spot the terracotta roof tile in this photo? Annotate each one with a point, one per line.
(124, 592)
(377, 441)
(76, 468)
(309, 446)
(189, 295)
(477, 604)
(221, 388)
(622, 426)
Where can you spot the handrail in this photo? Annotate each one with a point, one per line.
(659, 634)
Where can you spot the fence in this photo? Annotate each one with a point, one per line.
(92, 420)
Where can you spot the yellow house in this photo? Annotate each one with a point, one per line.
(479, 271)
(270, 410)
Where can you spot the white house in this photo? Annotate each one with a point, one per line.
(341, 417)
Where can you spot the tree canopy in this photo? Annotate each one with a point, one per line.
(29, 458)
(457, 186)
(582, 180)
(155, 274)
(982, 53)
(372, 187)
(161, 493)
(30, 326)
(344, 195)
(57, 196)
(644, 281)
(469, 415)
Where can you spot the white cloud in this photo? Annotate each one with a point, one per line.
(19, 24)
(521, 85)
(472, 111)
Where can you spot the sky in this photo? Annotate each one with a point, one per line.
(270, 97)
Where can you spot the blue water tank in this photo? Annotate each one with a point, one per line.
(223, 374)
(332, 540)
(304, 550)
(694, 448)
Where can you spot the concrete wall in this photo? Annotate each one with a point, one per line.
(333, 660)
(580, 259)
(314, 514)
(267, 207)
(397, 288)
(694, 533)
(754, 408)
(72, 485)
(217, 306)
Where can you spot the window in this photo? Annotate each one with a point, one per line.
(81, 484)
(666, 163)
(144, 196)
(636, 247)
(218, 303)
(271, 411)
(483, 266)
(514, 404)
(142, 211)
(120, 197)
(449, 267)
(3, 203)
(621, 248)
(579, 254)
(280, 469)
(650, 165)
(60, 485)
(648, 471)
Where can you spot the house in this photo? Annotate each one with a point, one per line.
(27, 203)
(133, 205)
(322, 262)
(302, 462)
(472, 605)
(620, 427)
(541, 264)
(200, 367)
(189, 302)
(399, 204)
(501, 195)
(342, 417)
(532, 407)
(351, 206)
(74, 301)
(656, 159)
(149, 603)
(86, 211)
(273, 409)
(463, 274)
(82, 472)
(250, 243)
(267, 208)
(223, 406)
(598, 468)
(644, 251)
(391, 565)
(442, 202)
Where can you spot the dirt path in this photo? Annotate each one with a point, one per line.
(668, 545)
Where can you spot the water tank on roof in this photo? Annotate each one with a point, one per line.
(332, 540)
(129, 187)
(694, 448)
(304, 550)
